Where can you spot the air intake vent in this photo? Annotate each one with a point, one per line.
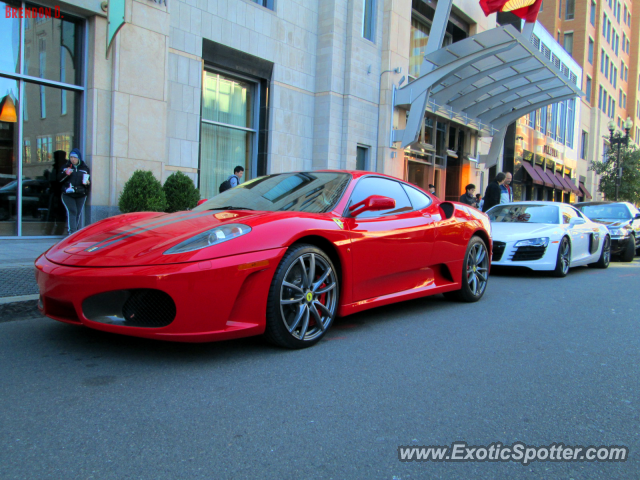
(131, 308)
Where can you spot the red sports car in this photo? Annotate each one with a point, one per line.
(280, 255)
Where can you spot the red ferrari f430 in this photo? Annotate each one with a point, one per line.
(280, 255)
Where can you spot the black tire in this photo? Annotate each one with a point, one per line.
(300, 309)
(629, 251)
(605, 255)
(475, 273)
(563, 259)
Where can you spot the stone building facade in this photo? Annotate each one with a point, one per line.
(200, 86)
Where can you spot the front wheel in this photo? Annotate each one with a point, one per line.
(605, 255)
(475, 273)
(303, 298)
(563, 260)
(630, 250)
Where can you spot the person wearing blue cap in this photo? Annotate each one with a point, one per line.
(75, 187)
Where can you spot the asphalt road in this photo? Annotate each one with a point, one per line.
(538, 360)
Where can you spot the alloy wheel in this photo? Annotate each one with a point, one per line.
(477, 268)
(308, 297)
(565, 254)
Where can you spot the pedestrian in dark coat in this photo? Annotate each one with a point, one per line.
(493, 192)
(74, 178)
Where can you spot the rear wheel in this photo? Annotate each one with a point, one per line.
(475, 273)
(629, 251)
(303, 298)
(563, 260)
(605, 255)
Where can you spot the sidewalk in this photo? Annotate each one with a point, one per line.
(18, 288)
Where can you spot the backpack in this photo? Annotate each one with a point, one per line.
(226, 185)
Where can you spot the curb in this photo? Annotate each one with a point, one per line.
(21, 310)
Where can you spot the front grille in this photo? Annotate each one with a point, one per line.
(149, 308)
(498, 250)
(524, 254)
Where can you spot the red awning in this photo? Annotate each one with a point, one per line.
(586, 193)
(545, 179)
(532, 173)
(572, 184)
(557, 183)
(565, 186)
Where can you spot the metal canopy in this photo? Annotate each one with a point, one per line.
(486, 81)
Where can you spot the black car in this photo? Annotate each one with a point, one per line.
(623, 221)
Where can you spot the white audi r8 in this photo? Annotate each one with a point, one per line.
(547, 236)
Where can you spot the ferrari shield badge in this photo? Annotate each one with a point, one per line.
(339, 223)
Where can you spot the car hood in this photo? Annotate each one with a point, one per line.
(142, 239)
(611, 222)
(510, 232)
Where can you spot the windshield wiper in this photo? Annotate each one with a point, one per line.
(230, 207)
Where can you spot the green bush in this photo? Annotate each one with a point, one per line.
(142, 193)
(181, 193)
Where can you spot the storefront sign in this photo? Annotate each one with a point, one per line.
(551, 151)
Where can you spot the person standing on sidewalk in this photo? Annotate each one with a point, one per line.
(75, 187)
(506, 193)
(493, 192)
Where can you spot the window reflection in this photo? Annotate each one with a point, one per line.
(52, 49)
(8, 154)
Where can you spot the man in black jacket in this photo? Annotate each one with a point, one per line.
(75, 187)
(493, 191)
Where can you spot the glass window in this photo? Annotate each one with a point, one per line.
(418, 199)
(265, 3)
(568, 214)
(315, 192)
(228, 131)
(8, 153)
(584, 145)
(570, 122)
(593, 13)
(54, 137)
(419, 37)
(9, 38)
(568, 42)
(368, 19)
(588, 89)
(362, 154)
(529, 213)
(227, 100)
(380, 186)
(53, 50)
(590, 54)
(571, 10)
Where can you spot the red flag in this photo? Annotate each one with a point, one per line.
(526, 9)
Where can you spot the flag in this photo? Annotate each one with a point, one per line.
(115, 18)
(526, 9)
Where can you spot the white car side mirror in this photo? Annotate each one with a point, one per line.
(577, 221)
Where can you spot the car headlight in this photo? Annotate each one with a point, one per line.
(210, 237)
(619, 232)
(533, 242)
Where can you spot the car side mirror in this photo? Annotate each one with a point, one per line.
(577, 221)
(637, 217)
(373, 203)
(200, 202)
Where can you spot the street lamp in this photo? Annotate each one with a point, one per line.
(616, 138)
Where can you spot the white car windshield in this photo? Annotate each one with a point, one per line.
(515, 213)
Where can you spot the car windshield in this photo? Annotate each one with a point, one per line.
(524, 214)
(606, 211)
(314, 192)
